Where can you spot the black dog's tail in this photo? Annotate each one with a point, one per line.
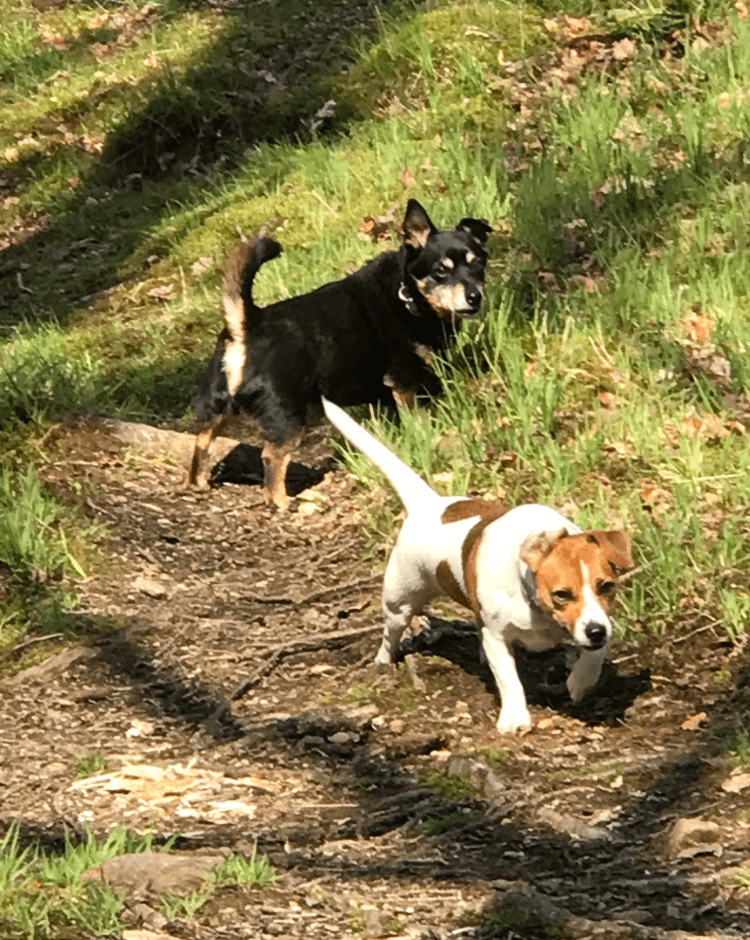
(241, 267)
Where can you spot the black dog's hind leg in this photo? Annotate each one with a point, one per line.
(276, 458)
(199, 467)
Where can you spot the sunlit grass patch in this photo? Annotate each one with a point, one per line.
(42, 893)
(449, 56)
(609, 376)
(33, 543)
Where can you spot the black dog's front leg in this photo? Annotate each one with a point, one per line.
(409, 376)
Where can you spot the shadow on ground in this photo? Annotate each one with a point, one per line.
(483, 841)
(266, 79)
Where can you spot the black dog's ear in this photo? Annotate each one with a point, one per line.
(478, 228)
(417, 226)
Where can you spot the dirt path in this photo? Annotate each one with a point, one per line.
(387, 801)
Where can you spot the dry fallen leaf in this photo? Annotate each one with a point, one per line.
(623, 50)
(202, 264)
(162, 292)
(653, 495)
(406, 177)
(698, 328)
(621, 448)
(693, 723)
(736, 782)
(378, 227)
(582, 281)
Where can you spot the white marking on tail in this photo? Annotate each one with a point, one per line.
(410, 486)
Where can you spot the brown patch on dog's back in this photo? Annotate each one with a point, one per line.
(449, 583)
(487, 511)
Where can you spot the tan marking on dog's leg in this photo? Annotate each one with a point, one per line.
(276, 459)
(424, 353)
(405, 399)
(199, 466)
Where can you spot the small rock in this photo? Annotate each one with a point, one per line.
(375, 925)
(572, 825)
(362, 716)
(150, 587)
(532, 903)
(154, 872)
(146, 915)
(691, 837)
(397, 726)
(310, 741)
(140, 729)
(343, 737)
(440, 757)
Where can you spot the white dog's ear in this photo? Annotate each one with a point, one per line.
(538, 545)
(616, 546)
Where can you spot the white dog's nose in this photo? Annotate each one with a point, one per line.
(596, 634)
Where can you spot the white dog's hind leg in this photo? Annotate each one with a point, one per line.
(403, 596)
(586, 672)
(514, 714)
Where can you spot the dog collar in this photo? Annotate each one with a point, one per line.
(404, 295)
(528, 587)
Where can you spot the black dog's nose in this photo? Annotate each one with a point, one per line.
(473, 297)
(596, 634)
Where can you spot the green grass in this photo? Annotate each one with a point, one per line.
(609, 376)
(89, 764)
(449, 786)
(43, 895)
(437, 825)
(738, 747)
(33, 543)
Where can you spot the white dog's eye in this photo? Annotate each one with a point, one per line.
(563, 596)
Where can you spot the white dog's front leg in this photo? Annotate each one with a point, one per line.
(585, 674)
(514, 714)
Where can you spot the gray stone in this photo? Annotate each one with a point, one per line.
(154, 872)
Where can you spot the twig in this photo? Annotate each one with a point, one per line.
(316, 595)
(320, 641)
(20, 647)
(340, 589)
(708, 626)
(630, 574)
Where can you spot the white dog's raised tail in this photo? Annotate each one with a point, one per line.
(409, 485)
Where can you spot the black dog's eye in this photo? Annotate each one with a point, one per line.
(563, 596)
(606, 587)
(440, 272)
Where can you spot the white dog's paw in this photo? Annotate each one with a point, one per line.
(510, 722)
(384, 657)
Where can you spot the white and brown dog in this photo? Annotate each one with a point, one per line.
(528, 574)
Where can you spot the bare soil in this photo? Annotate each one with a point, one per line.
(386, 800)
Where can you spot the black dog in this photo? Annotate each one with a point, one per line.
(364, 339)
